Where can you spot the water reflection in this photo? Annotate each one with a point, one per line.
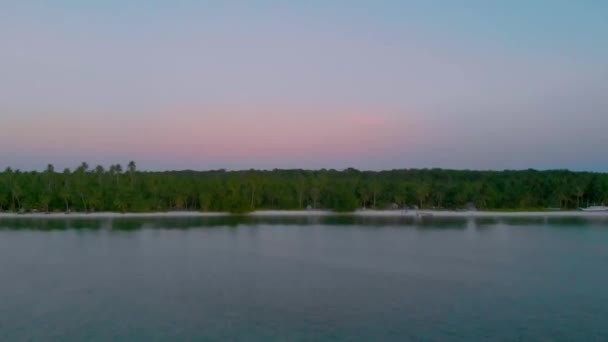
(52, 224)
(449, 223)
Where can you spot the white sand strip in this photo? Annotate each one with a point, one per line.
(278, 213)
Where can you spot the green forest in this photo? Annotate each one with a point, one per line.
(86, 189)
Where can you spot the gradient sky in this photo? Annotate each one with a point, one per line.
(311, 84)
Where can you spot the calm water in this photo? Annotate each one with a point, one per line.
(297, 279)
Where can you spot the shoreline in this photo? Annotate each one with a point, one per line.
(308, 213)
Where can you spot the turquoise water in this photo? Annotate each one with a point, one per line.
(302, 279)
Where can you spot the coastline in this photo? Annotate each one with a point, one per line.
(296, 213)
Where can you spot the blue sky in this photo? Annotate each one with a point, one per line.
(265, 84)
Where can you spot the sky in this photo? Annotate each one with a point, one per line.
(304, 84)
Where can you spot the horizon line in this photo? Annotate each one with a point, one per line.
(346, 169)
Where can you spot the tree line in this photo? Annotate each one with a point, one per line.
(128, 189)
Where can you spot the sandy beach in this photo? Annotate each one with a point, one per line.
(278, 213)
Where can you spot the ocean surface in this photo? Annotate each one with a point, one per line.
(304, 279)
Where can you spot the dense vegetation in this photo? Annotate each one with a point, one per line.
(98, 189)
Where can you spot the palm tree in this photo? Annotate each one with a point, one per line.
(563, 199)
(439, 195)
(131, 169)
(3, 202)
(48, 174)
(315, 194)
(364, 196)
(44, 200)
(95, 201)
(422, 192)
(116, 170)
(253, 184)
(66, 196)
(376, 187)
(301, 190)
(81, 183)
(66, 193)
(399, 200)
(120, 204)
(82, 168)
(579, 194)
(16, 194)
(99, 171)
